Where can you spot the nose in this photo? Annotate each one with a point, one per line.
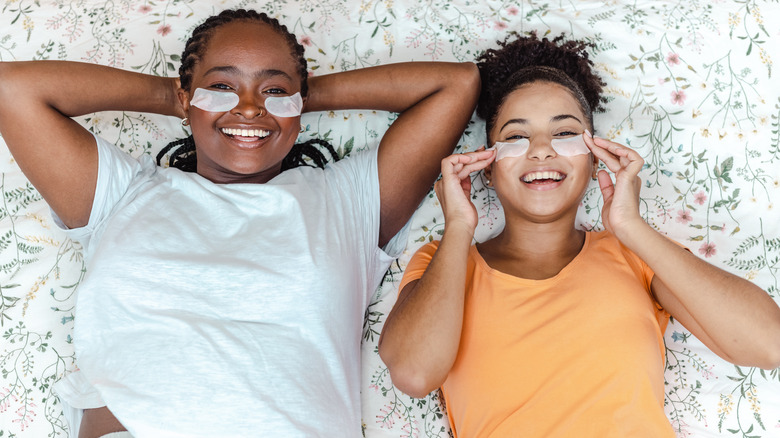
(541, 149)
(249, 106)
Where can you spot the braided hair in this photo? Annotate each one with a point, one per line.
(529, 59)
(184, 154)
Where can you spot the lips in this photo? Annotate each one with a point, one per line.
(542, 177)
(246, 134)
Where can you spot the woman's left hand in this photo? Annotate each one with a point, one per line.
(621, 199)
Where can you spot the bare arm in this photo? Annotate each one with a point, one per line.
(421, 337)
(735, 318)
(37, 101)
(435, 101)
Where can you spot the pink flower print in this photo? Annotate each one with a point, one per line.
(164, 29)
(512, 10)
(700, 197)
(672, 58)
(683, 216)
(678, 97)
(707, 249)
(144, 9)
(305, 41)
(499, 25)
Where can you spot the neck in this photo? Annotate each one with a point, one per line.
(533, 250)
(540, 240)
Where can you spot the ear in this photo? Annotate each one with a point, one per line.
(184, 101)
(489, 174)
(594, 174)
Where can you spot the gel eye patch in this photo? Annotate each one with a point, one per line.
(214, 101)
(221, 101)
(570, 146)
(285, 106)
(511, 150)
(562, 146)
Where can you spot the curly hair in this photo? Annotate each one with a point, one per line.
(527, 59)
(184, 155)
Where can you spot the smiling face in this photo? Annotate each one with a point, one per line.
(540, 185)
(246, 143)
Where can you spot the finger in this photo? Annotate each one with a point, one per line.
(617, 149)
(437, 189)
(617, 156)
(450, 163)
(610, 160)
(475, 166)
(606, 186)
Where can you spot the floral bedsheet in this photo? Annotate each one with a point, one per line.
(692, 86)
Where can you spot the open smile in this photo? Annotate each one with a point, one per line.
(246, 134)
(544, 177)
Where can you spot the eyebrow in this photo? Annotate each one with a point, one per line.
(258, 74)
(557, 118)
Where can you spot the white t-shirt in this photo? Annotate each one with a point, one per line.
(229, 310)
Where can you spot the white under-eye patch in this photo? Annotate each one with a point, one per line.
(285, 106)
(214, 101)
(562, 146)
(570, 146)
(221, 101)
(511, 150)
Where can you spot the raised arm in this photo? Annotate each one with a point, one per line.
(733, 317)
(421, 337)
(58, 156)
(435, 101)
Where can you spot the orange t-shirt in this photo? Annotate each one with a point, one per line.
(580, 354)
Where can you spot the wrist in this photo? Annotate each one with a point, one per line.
(632, 233)
(459, 229)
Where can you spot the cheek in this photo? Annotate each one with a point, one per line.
(289, 126)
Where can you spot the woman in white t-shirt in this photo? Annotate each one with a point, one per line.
(227, 299)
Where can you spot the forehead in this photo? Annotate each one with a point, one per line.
(537, 103)
(252, 45)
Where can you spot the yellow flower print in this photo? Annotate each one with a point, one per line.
(388, 38)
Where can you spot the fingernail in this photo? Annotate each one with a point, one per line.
(588, 133)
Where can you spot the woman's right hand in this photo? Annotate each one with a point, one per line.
(454, 187)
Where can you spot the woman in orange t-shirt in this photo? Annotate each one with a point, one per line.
(546, 330)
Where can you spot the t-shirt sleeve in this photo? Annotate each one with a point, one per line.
(418, 264)
(358, 175)
(116, 171)
(646, 275)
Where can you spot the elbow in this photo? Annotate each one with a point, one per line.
(412, 382)
(771, 348)
(6, 83)
(410, 378)
(470, 82)
(772, 355)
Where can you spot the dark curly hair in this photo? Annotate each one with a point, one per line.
(184, 154)
(527, 59)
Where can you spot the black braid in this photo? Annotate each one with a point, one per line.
(183, 154)
(528, 59)
(184, 157)
(307, 149)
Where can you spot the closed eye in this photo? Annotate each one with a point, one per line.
(516, 137)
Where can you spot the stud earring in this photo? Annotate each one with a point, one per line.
(185, 121)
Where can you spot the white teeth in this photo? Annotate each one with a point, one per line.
(246, 132)
(533, 176)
